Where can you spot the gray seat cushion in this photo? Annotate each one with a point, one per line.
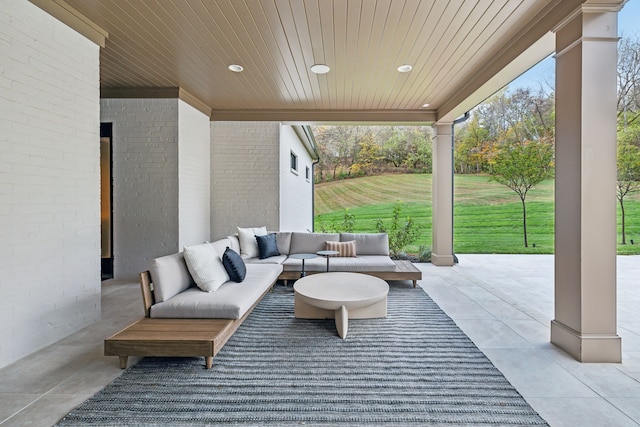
(362, 263)
(231, 301)
(279, 259)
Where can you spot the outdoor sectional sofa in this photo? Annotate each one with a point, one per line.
(371, 255)
(183, 320)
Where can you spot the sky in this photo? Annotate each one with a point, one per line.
(543, 73)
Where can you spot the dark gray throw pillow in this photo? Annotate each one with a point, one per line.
(234, 265)
(267, 246)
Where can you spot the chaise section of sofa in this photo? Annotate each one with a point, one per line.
(182, 320)
(231, 301)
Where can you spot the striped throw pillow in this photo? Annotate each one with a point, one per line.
(346, 249)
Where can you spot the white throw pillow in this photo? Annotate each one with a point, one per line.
(205, 266)
(248, 243)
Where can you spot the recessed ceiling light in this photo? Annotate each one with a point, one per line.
(425, 105)
(320, 68)
(236, 68)
(405, 68)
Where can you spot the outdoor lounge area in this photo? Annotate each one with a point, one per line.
(502, 302)
(132, 130)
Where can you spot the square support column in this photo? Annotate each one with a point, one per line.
(442, 213)
(585, 192)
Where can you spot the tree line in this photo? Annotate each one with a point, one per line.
(510, 137)
(353, 151)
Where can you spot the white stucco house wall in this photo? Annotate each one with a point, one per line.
(298, 154)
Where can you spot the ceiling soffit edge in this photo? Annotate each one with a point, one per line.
(73, 18)
(195, 102)
(540, 50)
(536, 29)
(156, 93)
(328, 116)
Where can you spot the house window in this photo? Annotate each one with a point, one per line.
(294, 163)
(307, 173)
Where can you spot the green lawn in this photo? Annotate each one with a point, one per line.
(487, 215)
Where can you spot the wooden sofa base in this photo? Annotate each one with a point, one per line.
(405, 270)
(172, 337)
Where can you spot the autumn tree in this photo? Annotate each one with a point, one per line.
(367, 149)
(507, 117)
(369, 154)
(521, 166)
(470, 147)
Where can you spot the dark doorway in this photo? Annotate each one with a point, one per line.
(106, 199)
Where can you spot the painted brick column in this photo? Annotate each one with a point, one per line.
(161, 174)
(442, 216)
(585, 192)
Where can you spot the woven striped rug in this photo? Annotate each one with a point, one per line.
(415, 367)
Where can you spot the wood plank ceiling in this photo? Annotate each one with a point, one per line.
(190, 43)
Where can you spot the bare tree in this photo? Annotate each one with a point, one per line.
(628, 80)
(628, 161)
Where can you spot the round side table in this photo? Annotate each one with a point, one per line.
(327, 255)
(303, 257)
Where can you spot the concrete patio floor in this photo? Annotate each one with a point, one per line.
(504, 303)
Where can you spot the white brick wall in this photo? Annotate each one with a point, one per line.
(145, 176)
(49, 180)
(296, 191)
(245, 167)
(194, 177)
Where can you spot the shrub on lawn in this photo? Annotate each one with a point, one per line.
(401, 233)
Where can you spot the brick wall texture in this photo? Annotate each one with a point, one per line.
(145, 176)
(161, 185)
(49, 180)
(244, 176)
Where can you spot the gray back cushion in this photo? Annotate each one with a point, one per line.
(234, 242)
(221, 245)
(368, 243)
(310, 243)
(170, 276)
(283, 240)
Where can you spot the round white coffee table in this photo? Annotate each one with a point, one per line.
(340, 296)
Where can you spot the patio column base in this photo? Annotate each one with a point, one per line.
(587, 348)
(442, 260)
